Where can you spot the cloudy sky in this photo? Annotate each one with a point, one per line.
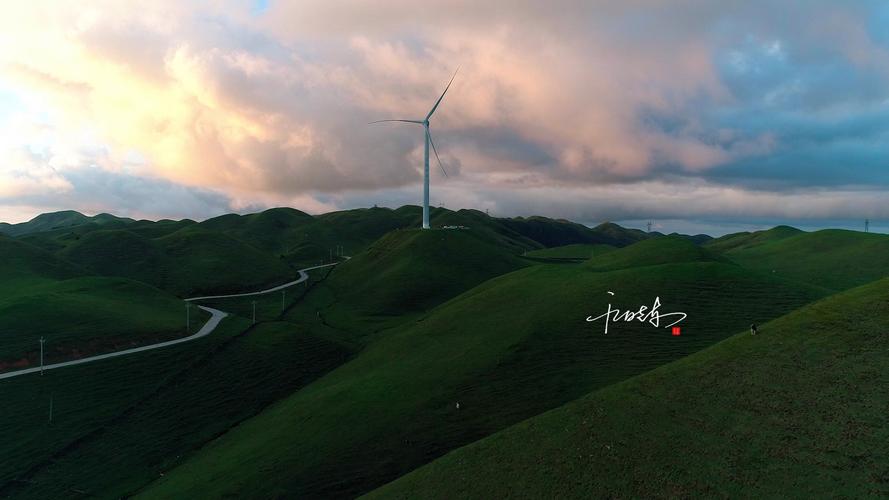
(730, 111)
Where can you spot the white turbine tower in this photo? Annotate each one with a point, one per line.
(425, 123)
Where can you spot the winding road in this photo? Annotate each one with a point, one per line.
(215, 317)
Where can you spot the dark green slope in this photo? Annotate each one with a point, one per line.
(201, 261)
(618, 236)
(23, 262)
(84, 316)
(496, 231)
(189, 261)
(117, 253)
(697, 239)
(45, 296)
(662, 250)
(831, 258)
(123, 422)
(303, 239)
(58, 240)
(576, 252)
(513, 347)
(737, 241)
(403, 274)
(59, 220)
(796, 411)
(152, 229)
(412, 270)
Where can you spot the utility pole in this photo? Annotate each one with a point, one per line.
(254, 312)
(42, 341)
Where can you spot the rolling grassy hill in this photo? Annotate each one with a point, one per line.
(86, 316)
(122, 422)
(21, 263)
(575, 252)
(45, 296)
(508, 349)
(799, 408)
(59, 220)
(413, 270)
(186, 257)
(414, 323)
(403, 274)
(737, 241)
(832, 258)
(663, 250)
(189, 261)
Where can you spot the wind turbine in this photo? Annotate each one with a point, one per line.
(428, 140)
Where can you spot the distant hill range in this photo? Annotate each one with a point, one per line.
(443, 360)
(59, 220)
(538, 231)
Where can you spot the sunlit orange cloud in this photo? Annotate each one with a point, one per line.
(272, 106)
(185, 103)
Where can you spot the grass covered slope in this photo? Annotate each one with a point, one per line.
(832, 258)
(737, 241)
(412, 270)
(44, 296)
(400, 276)
(798, 409)
(189, 261)
(506, 350)
(79, 317)
(655, 251)
(59, 220)
(21, 262)
(575, 252)
(149, 410)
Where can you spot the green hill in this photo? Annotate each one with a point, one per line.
(832, 258)
(189, 261)
(618, 236)
(796, 410)
(58, 220)
(85, 316)
(737, 241)
(654, 251)
(404, 273)
(552, 233)
(513, 347)
(412, 270)
(23, 262)
(43, 295)
(122, 422)
(575, 252)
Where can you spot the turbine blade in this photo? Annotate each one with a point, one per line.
(442, 95)
(405, 121)
(429, 135)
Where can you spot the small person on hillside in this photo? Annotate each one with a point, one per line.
(753, 329)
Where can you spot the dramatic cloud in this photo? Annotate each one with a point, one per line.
(587, 110)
